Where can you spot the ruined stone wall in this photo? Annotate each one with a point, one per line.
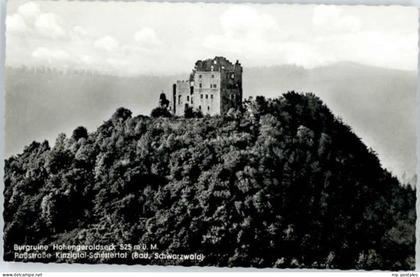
(207, 92)
(231, 89)
(216, 64)
(182, 96)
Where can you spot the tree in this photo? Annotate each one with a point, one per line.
(163, 102)
(121, 114)
(162, 110)
(79, 132)
(189, 112)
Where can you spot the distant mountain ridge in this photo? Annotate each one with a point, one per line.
(378, 103)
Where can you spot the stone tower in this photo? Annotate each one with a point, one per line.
(214, 86)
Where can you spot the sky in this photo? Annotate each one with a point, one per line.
(129, 38)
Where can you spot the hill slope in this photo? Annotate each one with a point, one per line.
(283, 184)
(379, 104)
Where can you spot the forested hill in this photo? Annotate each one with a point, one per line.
(282, 183)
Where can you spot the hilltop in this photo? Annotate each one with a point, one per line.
(283, 183)
(379, 104)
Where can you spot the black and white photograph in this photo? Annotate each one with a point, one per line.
(218, 135)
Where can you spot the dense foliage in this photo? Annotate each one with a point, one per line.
(281, 183)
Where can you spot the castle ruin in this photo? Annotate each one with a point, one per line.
(214, 86)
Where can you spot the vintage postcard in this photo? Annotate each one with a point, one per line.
(210, 134)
